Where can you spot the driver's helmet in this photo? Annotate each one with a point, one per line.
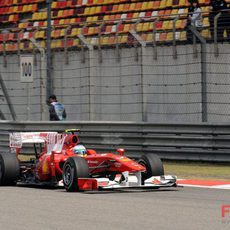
(79, 150)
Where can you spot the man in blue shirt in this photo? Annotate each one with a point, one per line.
(56, 110)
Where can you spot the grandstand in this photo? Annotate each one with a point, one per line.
(114, 60)
(111, 19)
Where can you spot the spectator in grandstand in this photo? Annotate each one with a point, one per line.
(217, 6)
(194, 18)
(190, 10)
(56, 109)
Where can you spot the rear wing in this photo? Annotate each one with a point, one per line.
(53, 140)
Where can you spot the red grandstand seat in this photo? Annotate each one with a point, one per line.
(1, 37)
(115, 8)
(159, 25)
(148, 14)
(138, 5)
(163, 36)
(156, 4)
(129, 15)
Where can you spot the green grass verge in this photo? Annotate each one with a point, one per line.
(198, 170)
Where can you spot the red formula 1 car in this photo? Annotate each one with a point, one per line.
(60, 157)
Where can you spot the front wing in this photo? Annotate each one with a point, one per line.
(133, 181)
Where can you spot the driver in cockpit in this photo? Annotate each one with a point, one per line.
(80, 150)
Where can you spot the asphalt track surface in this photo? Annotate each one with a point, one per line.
(178, 208)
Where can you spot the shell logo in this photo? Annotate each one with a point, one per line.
(45, 167)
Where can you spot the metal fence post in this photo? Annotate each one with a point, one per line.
(174, 37)
(91, 65)
(18, 43)
(216, 48)
(43, 81)
(49, 84)
(99, 42)
(118, 56)
(4, 49)
(134, 33)
(154, 40)
(203, 73)
(4, 90)
(143, 54)
(66, 45)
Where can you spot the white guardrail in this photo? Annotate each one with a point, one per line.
(200, 142)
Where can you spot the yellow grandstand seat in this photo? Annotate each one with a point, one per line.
(169, 36)
(182, 3)
(165, 25)
(206, 33)
(112, 40)
(144, 6)
(87, 11)
(174, 12)
(169, 3)
(147, 26)
(139, 27)
(149, 37)
(183, 36)
(120, 8)
(91, 31)
(60, 14)
(163, 4)
(206, 22)
(63, 32)
(75, 32)
(150, 5)
(123, 39)
(57, 44)
(136, 15)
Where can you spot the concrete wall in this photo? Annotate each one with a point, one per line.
(136, 88)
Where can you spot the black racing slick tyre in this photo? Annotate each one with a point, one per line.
(9, 169)
(153, 165)
(74, 168)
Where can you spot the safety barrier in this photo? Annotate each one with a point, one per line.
(203, 142)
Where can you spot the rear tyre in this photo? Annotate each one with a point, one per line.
(153, 165)
(74, 168)
(9, 169)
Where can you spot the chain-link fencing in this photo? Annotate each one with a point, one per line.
(135, 76)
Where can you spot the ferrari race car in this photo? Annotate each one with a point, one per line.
(60, 158)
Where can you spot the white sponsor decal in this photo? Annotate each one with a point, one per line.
(93, 162)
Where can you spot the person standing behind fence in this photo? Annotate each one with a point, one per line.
(56, 109)
(190, 11)
(217, 6)
(194, 18)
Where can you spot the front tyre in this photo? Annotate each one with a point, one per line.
(74, 168)
(153, 165)
(9, 169)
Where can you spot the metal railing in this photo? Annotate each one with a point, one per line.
(132, 21)
(214, 36)
(199, 142)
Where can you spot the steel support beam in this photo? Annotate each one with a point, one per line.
(203, 73)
